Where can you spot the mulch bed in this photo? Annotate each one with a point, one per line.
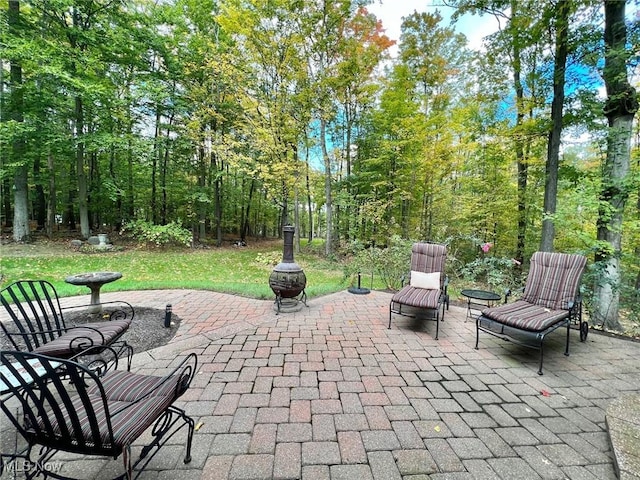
(147, 330)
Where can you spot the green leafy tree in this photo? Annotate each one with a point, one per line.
(363, 48)
(517, 42)
(434, 55)
(270, 41)
(560, 23)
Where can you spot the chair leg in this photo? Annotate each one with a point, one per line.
(126, 351)
(191, 425)
(540, 367)
(126, 458)
(566, 350)
(129, 353)
(390, 308)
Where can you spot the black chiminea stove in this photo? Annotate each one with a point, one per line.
(287, 279)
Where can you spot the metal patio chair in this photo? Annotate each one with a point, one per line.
(38, 324)
(426, 293)
(64, 406)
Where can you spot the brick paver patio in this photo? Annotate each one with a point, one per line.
(330, 393)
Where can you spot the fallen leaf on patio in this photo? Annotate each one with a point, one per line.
(437, 428)
(545, 393)
(198, 426)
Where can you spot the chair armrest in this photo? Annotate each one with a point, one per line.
(185, 372)
(98, 359)
(83, 342)
(123, 311)
(575, 304)
(28, 338)
(508, 292)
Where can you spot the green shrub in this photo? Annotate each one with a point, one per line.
(391, 263)
(159, 235)
(497, 273)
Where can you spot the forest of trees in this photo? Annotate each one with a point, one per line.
(232, 118)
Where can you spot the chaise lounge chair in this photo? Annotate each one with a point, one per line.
(427, 290)
(550, 301)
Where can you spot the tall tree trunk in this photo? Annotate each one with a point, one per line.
(154, 167)
(521, 161)
(637, 249)
(164, 170)
(5, 187)
(563, 9)
(69, 216)
(217, 169)
(308, 189)
(96, 214)
(6, 201)
(130, 197)
(217, 198)
(265, 198)
(127, 210)
(327, 188)
(245, 226)
(83, 205)
(21, 188)
(200, 206)
(40, 203)
(296, 217)
(117, 218)
(348, 152)
(21, 231)
(296, 200)
(52, 200)
(620, 108)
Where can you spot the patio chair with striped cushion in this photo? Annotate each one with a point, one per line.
(426, 294)
(67, 407)
(550, 301)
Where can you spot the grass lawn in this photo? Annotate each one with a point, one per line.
(242, 271)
